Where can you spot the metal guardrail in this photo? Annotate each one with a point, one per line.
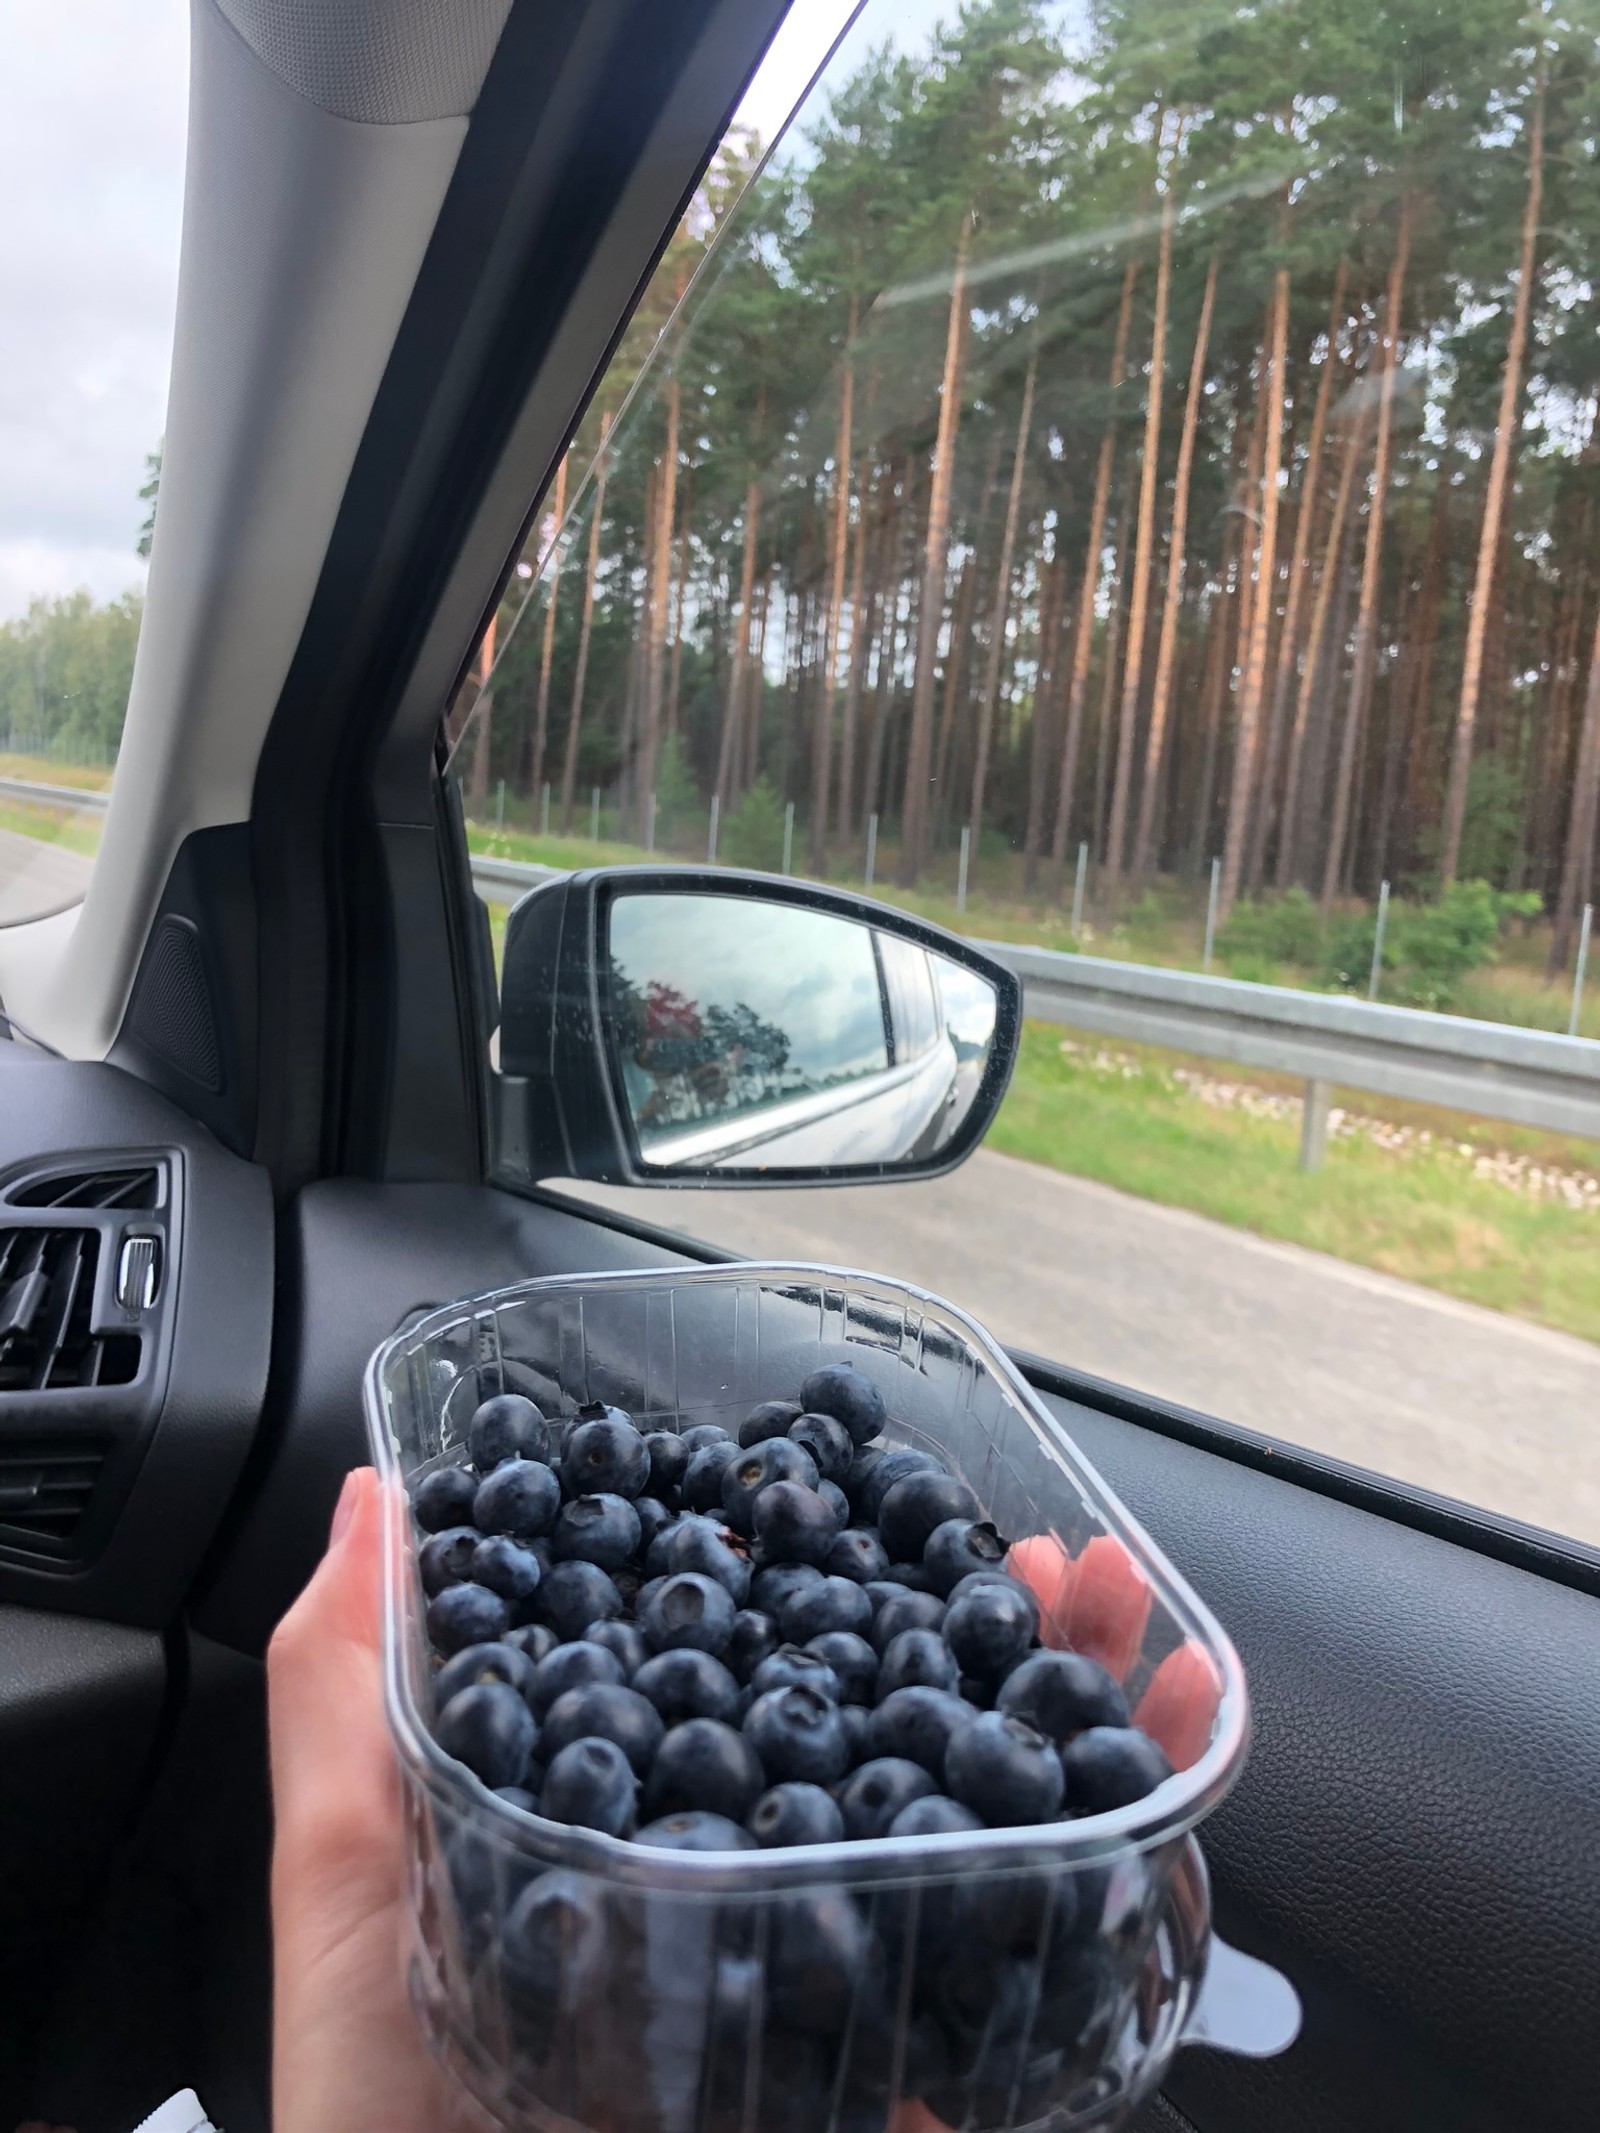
(1490, 1069)
(55, 795)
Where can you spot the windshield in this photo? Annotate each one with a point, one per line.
(92, 114)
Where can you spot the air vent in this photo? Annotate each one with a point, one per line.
(45, 1489)
(137, 1188)
(46, 1305)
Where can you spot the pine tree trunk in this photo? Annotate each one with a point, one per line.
(679, 601)
(1108, 677)
(1253, 683)
(955, 669)
(569, 765)
(1299, 571)
(1088, 590)
(1041, 744)
(1172, 603)
(1366, 644)
(751, 715)
(1577, 864)
(839, 550)
(660, 584)
(1216, 688)
(541, 717)
(732, 704)
(861, 627)
(482, 714)
(919, 746)
(997, 620)
(1455, 805)
(1144, 538)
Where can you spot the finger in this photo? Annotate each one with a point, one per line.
(1179, 1708)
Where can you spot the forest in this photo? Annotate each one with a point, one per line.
(1161, 426)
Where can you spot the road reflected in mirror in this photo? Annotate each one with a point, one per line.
(756, 1035)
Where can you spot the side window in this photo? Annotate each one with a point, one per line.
(1123, 482)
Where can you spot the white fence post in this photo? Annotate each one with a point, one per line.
(544, 811)
(594, 814)
(1582, 965)
(1314, 1124)
(788, 835)
(1377, 940)
(711, 841)
(872, 847)
(650, 824)
(961, 871)
(1077, 890)
(500, 805)
(1211, 913)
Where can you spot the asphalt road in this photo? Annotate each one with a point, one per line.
(1356, 1364)
(36, 878)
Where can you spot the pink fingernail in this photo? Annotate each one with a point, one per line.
(345, 1509)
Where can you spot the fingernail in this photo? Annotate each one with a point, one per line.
(345, 1509)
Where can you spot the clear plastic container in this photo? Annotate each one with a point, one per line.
(1007, 1978)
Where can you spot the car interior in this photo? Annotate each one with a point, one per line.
(265, 1098)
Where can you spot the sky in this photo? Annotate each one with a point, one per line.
(92, 111)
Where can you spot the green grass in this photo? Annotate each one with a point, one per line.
(42, 770)
(51, 825)
(1421, 1216)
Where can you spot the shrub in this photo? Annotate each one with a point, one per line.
(1427, 948)
(1275, 929)
(752, 832)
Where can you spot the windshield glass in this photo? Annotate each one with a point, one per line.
(92, 114)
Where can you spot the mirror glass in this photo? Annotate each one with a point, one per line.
(756, 1035)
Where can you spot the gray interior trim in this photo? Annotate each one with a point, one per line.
(385, 62)
(302, 237)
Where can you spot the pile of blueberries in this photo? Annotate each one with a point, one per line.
(792, 1637)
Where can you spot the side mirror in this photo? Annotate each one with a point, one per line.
(691, 1026)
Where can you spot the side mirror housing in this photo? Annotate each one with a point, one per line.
(696, 1026)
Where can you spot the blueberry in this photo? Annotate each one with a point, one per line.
(907, 1610)
(704, 1764)
(838, 1503)
(507, 1427)
(770, 1419)
(603, 1711)
(829, 1443)
(507, 1568)
(840, 1390)
(934, 1815)
(916, 1658)
(857, 1553)
(596, 1529)
(691, 1610)
(854, 1717)
(669, 1456)
(1004, 1771)
(463, 1615)
(702, 1479)
(769, 1588)
(871, 1797)
(520, 1498)
(989, 1630)
(857, 1481)
(791, 1667)
(755, 1637)
(653, 1517)
(557, 1947)
(700, 1434)
(797, 1734)
(893, 1467)
(695, 1831)
(917, 1725)
(516, 1796)
(833, 1604)
(535, 1639)
(625, 1639)
(445, 1558)
(572, 1666)
(1062, 1693)
(489, 1728)
(958, 1547)
(854, 1662)
(793, 1523)
(820, 1960)
(751, 1471)
(910, 1510)
(444, 1498)
(606, 1457)
(913, 1576)
(687, 1684)
(795, 1814)
(975, 1580)
(1111, 1766)
(591, 1785)
(484, 1662)
(704, 1544)
(573, 1596)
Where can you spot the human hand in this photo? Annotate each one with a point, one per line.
(348, 2054)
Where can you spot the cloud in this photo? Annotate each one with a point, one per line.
(92, 113)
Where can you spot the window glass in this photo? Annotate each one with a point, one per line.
(1123, 479)
(912, 1007)
(92, 114)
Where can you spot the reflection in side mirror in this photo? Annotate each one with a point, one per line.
(675, 1026)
